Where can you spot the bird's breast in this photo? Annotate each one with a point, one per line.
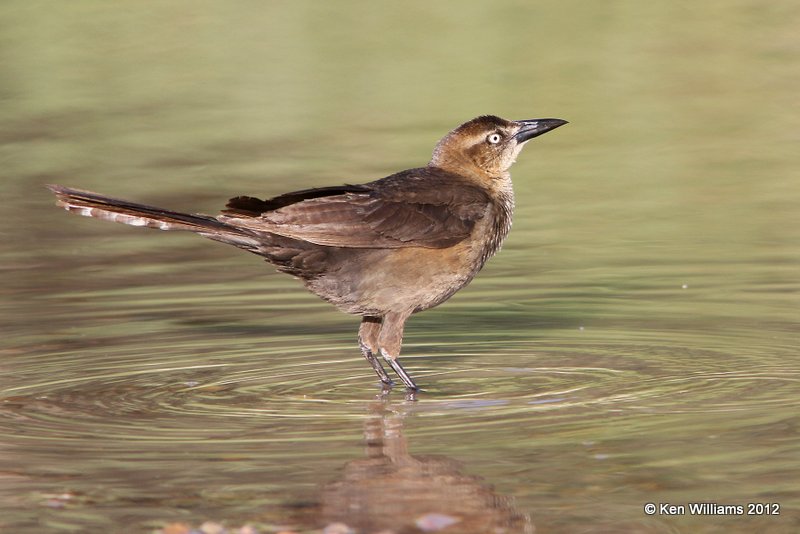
(412, 279)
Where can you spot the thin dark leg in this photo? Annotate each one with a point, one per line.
(404, 376)
(390, 340)
(368, 341)
(376, 365)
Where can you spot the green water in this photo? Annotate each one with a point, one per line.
(635, 341)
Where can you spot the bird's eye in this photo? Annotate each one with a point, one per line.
(493, 138)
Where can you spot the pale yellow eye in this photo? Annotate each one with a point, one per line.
(493, 138)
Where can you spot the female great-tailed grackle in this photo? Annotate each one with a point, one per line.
(382, 250)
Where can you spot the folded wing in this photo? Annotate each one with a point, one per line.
(416, 208)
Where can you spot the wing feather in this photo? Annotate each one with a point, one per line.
(410, 209)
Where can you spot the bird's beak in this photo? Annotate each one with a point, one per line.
(530, 128)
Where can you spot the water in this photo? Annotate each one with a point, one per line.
(636, 341)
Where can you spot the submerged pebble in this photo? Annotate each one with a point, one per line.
(209, 527)
(337, 528)
(434, 522)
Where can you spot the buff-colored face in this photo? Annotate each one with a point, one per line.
(495, 149)
(489, 144)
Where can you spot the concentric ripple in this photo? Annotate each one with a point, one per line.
(575, 373)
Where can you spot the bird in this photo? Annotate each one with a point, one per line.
(382, 250)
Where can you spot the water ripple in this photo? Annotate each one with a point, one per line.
(180, 399)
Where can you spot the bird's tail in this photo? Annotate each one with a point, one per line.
(99, 206)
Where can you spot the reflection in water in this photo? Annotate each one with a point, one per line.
(391, 490)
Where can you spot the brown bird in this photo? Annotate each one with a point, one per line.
(382, 250)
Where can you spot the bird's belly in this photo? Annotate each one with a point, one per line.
(376, 281)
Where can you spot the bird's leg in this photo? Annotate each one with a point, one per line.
(368, 341)
(390, 340)
(404, 376)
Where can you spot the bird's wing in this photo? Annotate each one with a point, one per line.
(405, 210)
(255, 207)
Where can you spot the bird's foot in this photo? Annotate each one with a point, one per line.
(397, 368)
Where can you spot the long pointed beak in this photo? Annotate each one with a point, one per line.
(530, 128)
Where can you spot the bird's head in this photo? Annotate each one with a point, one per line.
(487, 146)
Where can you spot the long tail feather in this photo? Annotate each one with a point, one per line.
(91, 204)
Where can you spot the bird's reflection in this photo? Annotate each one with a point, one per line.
(392, 491)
